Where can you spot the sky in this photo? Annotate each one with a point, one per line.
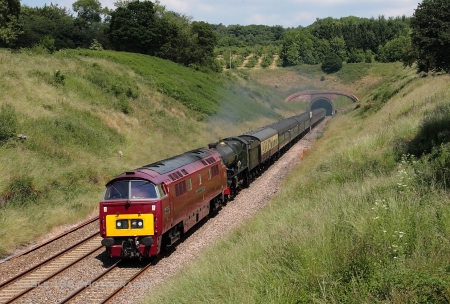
(287, 13)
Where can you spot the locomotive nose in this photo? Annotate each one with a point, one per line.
(108, 242)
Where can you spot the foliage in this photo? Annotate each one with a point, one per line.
(356, 56)
(430, 36)
(200, 50)
(8, 122)
(252, 62)
(332, 63)
(298, 48)
(96, 46)
(88, 11)
(248, 35)
(393, 50)
(267, 60)
(433, 131)
(360, 33)
(48, 44)
(10, 27)
(21, 190)
(135, 28)
(58, 77)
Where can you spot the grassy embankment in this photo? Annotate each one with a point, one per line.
(78, 109)
(364, 219)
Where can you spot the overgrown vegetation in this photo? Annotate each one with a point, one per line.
(362, 219)
(64, 117)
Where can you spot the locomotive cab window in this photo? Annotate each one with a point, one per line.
(141, 189)
(131, 189)
(117, 190)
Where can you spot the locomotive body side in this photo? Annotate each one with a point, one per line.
(235, 155)
(184, 190)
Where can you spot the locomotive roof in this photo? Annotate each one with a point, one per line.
(173, 163)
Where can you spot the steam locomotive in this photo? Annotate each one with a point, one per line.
(147, 209)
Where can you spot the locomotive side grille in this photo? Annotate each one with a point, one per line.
(180, 188)
(214, 170)
(184, 172)
(176, 175)
(204, 162)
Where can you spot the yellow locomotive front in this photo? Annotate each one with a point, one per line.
(128, 217)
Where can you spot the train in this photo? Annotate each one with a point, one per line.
(146, 210)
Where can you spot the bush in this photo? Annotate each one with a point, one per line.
(48, 44)
(8, 122)
(96, 46)
(21, 190)
(332, 63)
(58, 77)
(266, 61)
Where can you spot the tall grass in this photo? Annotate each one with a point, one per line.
(359, 221)
(78, 109)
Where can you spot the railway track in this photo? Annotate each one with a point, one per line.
(55, 238)
(109, 283)
(19, 285)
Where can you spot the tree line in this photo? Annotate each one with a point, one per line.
(134, 26)
(149, 28)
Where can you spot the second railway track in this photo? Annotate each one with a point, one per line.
(22, 283)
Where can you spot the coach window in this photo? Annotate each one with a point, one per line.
(189, 184)
(199, 179)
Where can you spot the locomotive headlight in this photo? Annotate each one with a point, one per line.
(122, 224)
(137, 224)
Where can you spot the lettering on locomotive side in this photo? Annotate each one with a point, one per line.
(200, 190)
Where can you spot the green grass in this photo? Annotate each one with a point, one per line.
(79, 108)
(359, 221)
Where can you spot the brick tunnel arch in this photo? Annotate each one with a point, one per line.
(320, 99)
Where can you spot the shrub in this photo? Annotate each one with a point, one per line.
(58, 77)
(332, 63)
(48, 44)
(21, 190)
(96, 46)
(123, 105)
(8, 122)
(266, 61)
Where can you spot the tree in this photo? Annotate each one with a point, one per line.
(88, 10)
(298, 48)
(201, 46)
(393, 50)
(137, 28)
(430, 37)
(332, 63)
(10, 28)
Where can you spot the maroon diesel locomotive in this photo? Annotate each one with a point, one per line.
(147, 209)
